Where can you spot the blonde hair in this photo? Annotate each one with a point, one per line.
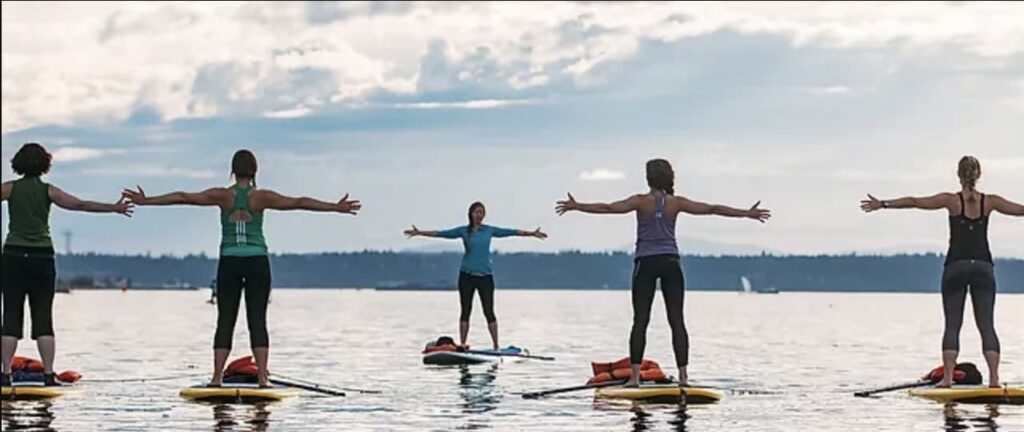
(969, 170)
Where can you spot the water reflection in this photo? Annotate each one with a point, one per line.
(26, 416)
(645, 415)
(643, 419)
(957, 418)
(249, 417)
(477, 389)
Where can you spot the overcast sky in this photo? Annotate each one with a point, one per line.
(420, 109)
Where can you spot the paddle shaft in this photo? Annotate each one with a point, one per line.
(301, 381)
(893, 388)
(312, 388)
(535, 395)
(500, 354)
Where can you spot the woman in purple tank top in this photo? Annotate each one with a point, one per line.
(657, 255)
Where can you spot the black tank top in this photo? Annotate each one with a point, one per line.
(968, 238)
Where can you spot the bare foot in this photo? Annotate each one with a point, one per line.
(264, 379)
(994, 383)
(216, 380)
(632, 383)
(944, 384)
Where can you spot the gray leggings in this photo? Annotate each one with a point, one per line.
(979, 277)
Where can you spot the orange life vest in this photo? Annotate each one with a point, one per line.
(241, 366)
(25, 364)
(620, 370)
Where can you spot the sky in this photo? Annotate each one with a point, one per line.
(419, 109)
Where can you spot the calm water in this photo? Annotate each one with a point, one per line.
(811, 351)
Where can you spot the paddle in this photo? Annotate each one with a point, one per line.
(501, 354)
(895, 387)
(340, 388)
(535, 395)
(963, 373)
(312, 388)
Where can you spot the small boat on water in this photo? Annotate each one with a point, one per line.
(748, 288)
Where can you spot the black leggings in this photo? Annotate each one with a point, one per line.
(235, 275)
(979, 277)
(646, 273)
(467, 285)
(32, 273)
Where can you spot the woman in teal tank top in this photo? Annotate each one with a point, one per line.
(29, 268)
(244, 266)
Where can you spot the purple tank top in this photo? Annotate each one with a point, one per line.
(656, 234)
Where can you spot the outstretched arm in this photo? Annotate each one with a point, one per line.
(934, 202)
(506, 232)
(67, 201)
(448, 233)
(209, 197)
(7, 188)
(1005, 206)
(276, 201)
(618, 207)
(700, 208)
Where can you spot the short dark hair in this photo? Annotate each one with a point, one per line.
(31, 160)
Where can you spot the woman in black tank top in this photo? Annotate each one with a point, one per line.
(969, 264)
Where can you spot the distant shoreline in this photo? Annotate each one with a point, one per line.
(561, 271)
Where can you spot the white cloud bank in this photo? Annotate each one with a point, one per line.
(77, 62)
(602, 174)
(75, 154)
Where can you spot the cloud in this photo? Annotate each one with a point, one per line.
(472, 104)
(829, 90)
(602, 174)
(75, 154)
(152, 171)
(189, 60)
(299, 111)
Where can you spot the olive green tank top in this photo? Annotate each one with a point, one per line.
(241, 228)
(29, 214)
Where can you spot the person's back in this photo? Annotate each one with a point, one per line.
(968, 229)
(242, 224)
(29, 214)
(655, 226)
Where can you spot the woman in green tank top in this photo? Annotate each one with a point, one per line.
(29, 268)
(244, 267)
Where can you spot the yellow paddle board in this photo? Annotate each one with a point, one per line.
(236, 393)
(33, 391)
(979, 395)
